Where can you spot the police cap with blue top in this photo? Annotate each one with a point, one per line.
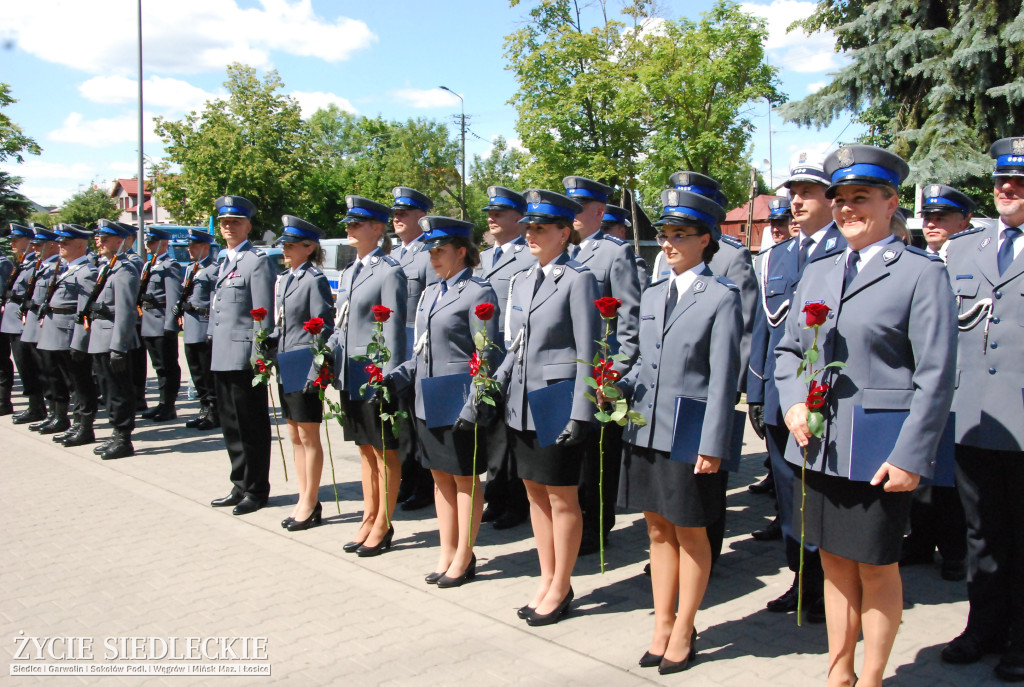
(548, 207)
(410, 199)
(701, 184)
(297, 229)
(1009, 156)
(365, 210)
(105, 227)
(20, 230)
(686, 208)
(43, 234)
(809, 166)
(235, 206)
(197, 235)
(942, 198)
(778, 208)
(69, 232)
(613, 214)
(501, 198)
(864, 166)
(584, 190)
(437, 231)
(158, 234)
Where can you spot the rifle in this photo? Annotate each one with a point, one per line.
(147, 274)
(186, 292)
(5, 295)
(44, 309)
(30, 292)
(101, 280)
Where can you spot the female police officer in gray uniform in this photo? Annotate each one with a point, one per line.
(373, 279)
(551, 321)
(446, 321)
(301, 294)
(691, 325)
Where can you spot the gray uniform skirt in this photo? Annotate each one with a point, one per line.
(650, 481)
(446, 450)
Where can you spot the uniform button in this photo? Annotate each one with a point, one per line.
(995, 320)
(995, 345)
(998, 294)
(657, 345)
(654, 365)
(991, 370)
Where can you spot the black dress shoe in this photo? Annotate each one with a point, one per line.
(232, 499)
(445, 582)
(353, 546)
(248, 505)
(954, 570)
(148, 413)
(417, 501)
(194, 422)
(58, 426)
(508, 520)
(433, 577)
(649, 660)
(1011, 667)
(816, 610)
(103, 447)
(164, 414)
(42, 423)
(314, 519)
(667, 667)
(765, 486)
(365, 551)
(490, 514)
(770, 533)
(525, 612)
(121, 448)
(969, 648)
(786, 603)
(211, 422)
(536, 620)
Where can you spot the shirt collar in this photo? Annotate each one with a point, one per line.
(868, 252)
(685, 280)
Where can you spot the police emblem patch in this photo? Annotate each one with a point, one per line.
(1017, 146)
(684, 179)
(698, 286)
(933, 191)
(888, 255)
(492, 192)
(533, 197)
(984, 243)
(673, 197)
(803, 157)
(844, 156)
(830, 244)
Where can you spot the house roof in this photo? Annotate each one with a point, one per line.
(148, 205)
(130, 186)
(761, 210)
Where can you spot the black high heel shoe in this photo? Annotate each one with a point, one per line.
(385, 544)
(314, 519)
(287, 521)
(667, 667)
(535, 619)
(649, 660)
(433, 577)
(445, 582)
(526, 611)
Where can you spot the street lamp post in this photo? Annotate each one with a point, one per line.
(462, 127)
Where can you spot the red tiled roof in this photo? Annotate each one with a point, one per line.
(761, 210)
(130, 186)
(145, 208)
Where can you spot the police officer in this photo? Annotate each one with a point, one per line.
(193, 312)
(779, 217)
(987, 273)
(945, 211)
(504, 492)
(46, 271)
(6, 365)
(112, 319)
(138, 361)
(245, 282)
(892, 321)
(819, 238)
(63, 342)
(163, 284)
(613, 264)
(14, 285)
(408, 208)
(617, 222)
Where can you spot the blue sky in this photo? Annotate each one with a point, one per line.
(72, 66)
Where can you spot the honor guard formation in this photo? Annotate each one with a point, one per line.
(886, 381)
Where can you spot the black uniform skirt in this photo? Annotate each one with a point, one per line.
(552, 466)
(362, 425)
(300, 406)
(855, 520)
(446, 450)
(650, 481)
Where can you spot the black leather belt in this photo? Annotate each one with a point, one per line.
(150, 305)
(201, 312)
(34, 307)
(63, 310)
(17, 298)
(101, 313)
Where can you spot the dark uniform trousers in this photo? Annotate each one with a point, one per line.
(937, 519)
(80, 382)
(989, 483)
(6, 366)
(120, 394)
(198, 356)
(58, 375)
(28, 369)
(163, 353)
(138, 373)
(45, 373)
(245, 424)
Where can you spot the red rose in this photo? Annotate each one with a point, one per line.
(474, 364)
(258, 314)
(604, 373)
(381, 313)
(376, 374)
(816, 396)
(608, 306)
(484, 311)
(817, 313)
(314, 326)
(324, 379)
(260, 365)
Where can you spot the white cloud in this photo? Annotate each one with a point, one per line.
(104, 131)
(425, 98)
(816, 86)
(186, 36)
(34, 168)
(49, 195)
(173, 95)
(795, 51)
(311, 101)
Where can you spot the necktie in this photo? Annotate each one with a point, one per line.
(402, 253)
(851, 269)
(539, 281)
(497, 256)
(440, 296)
(805, 248)
(673, 298)
(1005, 255)
(356, 269)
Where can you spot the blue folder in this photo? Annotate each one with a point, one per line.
(357, 377)
(293, 368)
(688, 426)
(444, 398)
(874, 436)
(551, 408)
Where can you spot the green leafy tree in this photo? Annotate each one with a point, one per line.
(503, 166)
(14, 145)
(44, 218)
(85, 207)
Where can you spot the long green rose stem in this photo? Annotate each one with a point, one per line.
(472, 489)
(803, 519)
(330, 455)
(277, 430)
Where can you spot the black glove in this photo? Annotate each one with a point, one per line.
(572, 434)
(756, 414)
(462, 425)
(44, 310)
(378, 397)
(119, 362)
(78, 356)
(267, 348)
(177, 311)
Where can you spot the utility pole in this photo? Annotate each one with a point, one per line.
(462, 129)
(140, 242)
(750, 206)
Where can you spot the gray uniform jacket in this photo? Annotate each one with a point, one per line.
(114, 316)
(444, 337)
(243, 284)
(694, 353)
(990, 365)
(895, 328)
(59, 329)
(549, 330)
(515, 258)
(11, 322)
(30, 334)
(381, 282)
(613, 264)
(161, 296)
(415, 265)
(301, 296)
(195, 319)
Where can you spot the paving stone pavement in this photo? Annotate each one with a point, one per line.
(132, 548)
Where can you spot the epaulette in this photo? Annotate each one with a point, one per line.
(772, 247)
(725, 281)
(920, 251)
(480, 281)
(388, 260)
(732, 241)
(966, 232)
(614, 239)
(578, 266)
(660, 281)
(258, 251)
(314, 270)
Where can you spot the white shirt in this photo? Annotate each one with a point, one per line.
(232, 252)
(685, 280)
(867, 252)
(816, 237)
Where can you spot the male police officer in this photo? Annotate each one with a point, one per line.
(245, 282)
(193, 313)
(14, 286)
(617, 222)
(41, 279)
(162, 284)
(987, 275)
(945, 211)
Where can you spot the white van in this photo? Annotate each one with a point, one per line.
(338, 254)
